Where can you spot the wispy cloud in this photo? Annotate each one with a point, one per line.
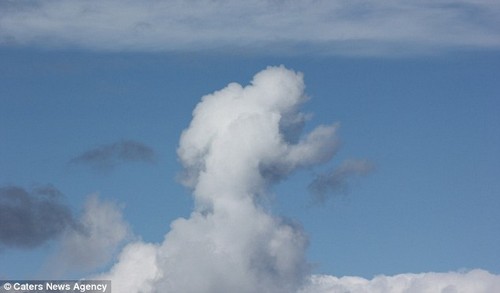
(31, 218)
(108, 156)
(320, 26)
(337, 180)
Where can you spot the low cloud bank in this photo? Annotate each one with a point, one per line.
(474, 281)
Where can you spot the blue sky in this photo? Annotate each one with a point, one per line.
(425, 116)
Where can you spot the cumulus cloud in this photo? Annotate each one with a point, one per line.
(230, 243)
(337, 180)
(108, 156)
(324, 26)
(29, 218)
(101, 230)
(474, 281)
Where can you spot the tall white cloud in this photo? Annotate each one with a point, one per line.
(328, 27)
(230, 243)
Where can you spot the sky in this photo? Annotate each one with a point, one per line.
(264, 146)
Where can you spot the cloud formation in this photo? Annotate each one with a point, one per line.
(230, 243)
(31, 218)
(108, 156)
(322, 26)
(474, 281)
(234, 149)
(337, 180)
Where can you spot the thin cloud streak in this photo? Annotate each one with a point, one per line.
(109, 156)
(320, 26)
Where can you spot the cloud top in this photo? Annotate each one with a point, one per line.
(328, 27)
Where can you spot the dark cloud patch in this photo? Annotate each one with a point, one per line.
(337, 180)
(109, 156)
(30, 218)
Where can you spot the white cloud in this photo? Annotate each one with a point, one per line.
(474, 281)
(230, 243)
(136, 269)
(328, 27)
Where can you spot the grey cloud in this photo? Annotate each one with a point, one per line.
(30, 218)
(337, 180)
(110, 155)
